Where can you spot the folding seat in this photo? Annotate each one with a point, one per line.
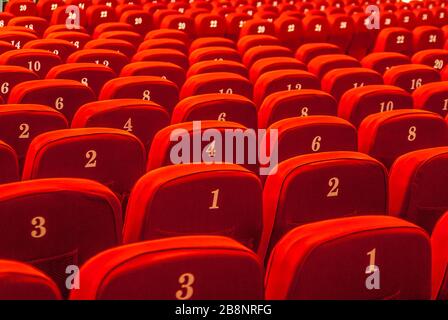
(152, 7)
(417, 190)
(156, 270)
(98, 14)
(179, 22)
(108, 3)
(166, 70)
(216, 106)
(21, 123)
(9, 165)
(21, 8)
(343, 259)
(289, 31)
(217, 66)
(167, 33)
(90, 74)
(192, 13)
(265, 15)
(47, 238)
(139, 19)
(260, 52)
(388, 135)
(161, 14)
(247, 9)
(394, 39)
(316, 187)
(427, 37)
(45, 8)
(6, 46)
(383, 61)
(111, 26)
(362, 37)
(211, 42)
(216, 82)
(179, 6)
(406, 19)
(147, 88)
(129, 36)
(61, 48)
(273, 63)
(358, 103)
(63, 15)
(165, 55)
(341, 29)
(439, 260)
(79, 39)
(440, 17)
(283, 104)
(125, 7)
(234, 22)
(37, 60)
(283, 80)
(10, 76)
(214, 53)
(424, 17)
(82, 4)
(316, 28)
(209, 25)
(4, 18)
(121, 46)
(16, 38)
(66, 96)
(247, 42)
(436, 58)
(60, 28)
(338, 81)
(141, 118)
(322, 64)
(213, 206)
(20, 29)
(110, 58)
(164, 43)
(257, 26)
(432, 97)
(20, 281)
(308, 51)
(34, 23)
(410, 76)
(207, 147)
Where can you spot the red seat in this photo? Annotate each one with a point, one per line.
(427, 37)
(46, 238)
(129, 36)
(21, 123)
(283, 104)
(166, 70)
(78, 39)
(417, 190)
(257, 26)
(34, 23)
(178, 22)
(283, 80)
(289, 31)
(139, 19)
(121, 46)
(394, 39)
(110, 58)
(209, 204)
(147, 88)
(215, 106)
(21, 281)
(264, 65)
(320, 65)
(165, 55)
(256, 53)
(66, 96)
(179, 268)
(247, 42)
(90, 74)
(439, 260)
(360, 250)
(110, 156)
(141, 118)
(213, 53)
(383, 61)
(165, 148)
(45, 8)
(9, 165)
(209, 25)
(316, 28)
(358, 103)
(167, 33)
(111, 26)
(211, 42)
(302, 135)
(10, 76)
(209, 66)
(216, 82)
(410, 76)
(386, 136)
(61, 48)
(163, 43)
(318, 187)
(21, 8)
(39, 61)
(406, 19)
(97, 14)
(309, 51)
(341, 29)
(432, 97)
(17, 38)
(234, 22)
(436, 58)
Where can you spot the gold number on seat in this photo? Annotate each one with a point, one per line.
(315, 145)
(186, 281)
(147, 95)
(412, 133)
(91, 156)
(39, 226)
(304, 112)
(24, 131)
(128, 125)
(215, 194)
(333, 183)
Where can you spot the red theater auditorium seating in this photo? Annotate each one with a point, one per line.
(9, 167)
(439, 241)
(383, 61)
(387, 135)
(432, 97)
(10, 76)
(321, 186)
(343, 258)
(39, 216)
(410, 76)
(179, 268)
(141, 118)
(20, 281)
(416, 186)
(193, 199)
(113, 157)
(168, 70)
